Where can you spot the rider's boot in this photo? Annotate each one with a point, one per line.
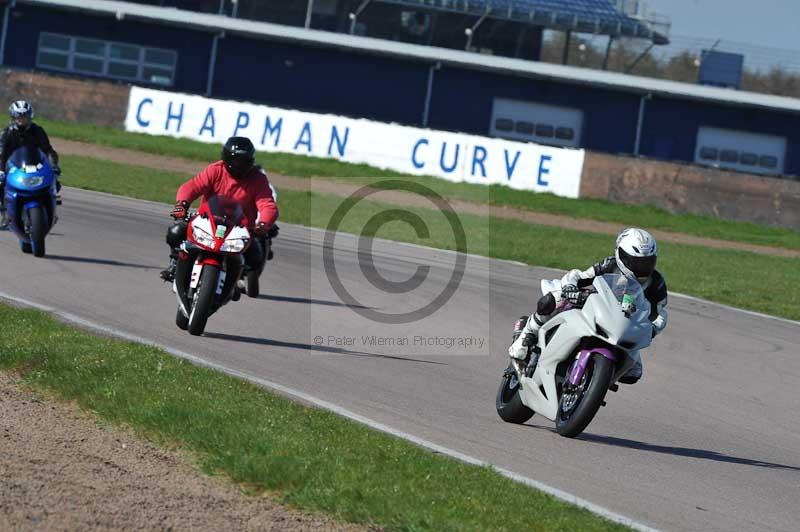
(168, 275)
(273, 232)
(4, 222)
(526, 331)
(633, 375)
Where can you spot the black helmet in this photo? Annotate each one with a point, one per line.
(239, 156)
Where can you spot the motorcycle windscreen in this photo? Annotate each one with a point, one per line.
(26, 158)
(622, 286)
(226, 210)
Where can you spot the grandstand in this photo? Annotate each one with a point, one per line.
(510, 28)
(601, 17)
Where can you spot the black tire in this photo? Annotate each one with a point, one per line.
(251, 279)
(203, 299)
(597, 378)
(181, 321)
(508, 403)
(38, 230)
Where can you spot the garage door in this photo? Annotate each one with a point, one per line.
(740, 150)
(536, 122)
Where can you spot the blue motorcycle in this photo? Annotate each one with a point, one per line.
(30, 198)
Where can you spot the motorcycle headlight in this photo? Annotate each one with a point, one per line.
(234, 245)
(202, 237)
(32, 181)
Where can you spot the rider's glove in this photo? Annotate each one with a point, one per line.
(180, 210)
(273, 231)
(572, 294)
(260, 229)
(56, 169)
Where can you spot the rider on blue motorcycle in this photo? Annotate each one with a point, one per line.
(22, 132)
(635, 258)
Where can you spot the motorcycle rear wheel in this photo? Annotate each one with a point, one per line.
(181, 321)
(252, 282)
(572, 419)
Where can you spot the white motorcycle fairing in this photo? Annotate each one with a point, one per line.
(601, 324)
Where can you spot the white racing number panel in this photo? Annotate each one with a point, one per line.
(221, 282)
(197, 269)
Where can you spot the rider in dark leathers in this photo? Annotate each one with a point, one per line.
(22, 132)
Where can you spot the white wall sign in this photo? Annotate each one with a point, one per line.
(452, 156)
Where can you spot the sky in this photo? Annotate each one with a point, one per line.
(774, 23)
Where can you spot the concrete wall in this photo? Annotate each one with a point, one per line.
(687, 188)
(677, 187)
(66, 98)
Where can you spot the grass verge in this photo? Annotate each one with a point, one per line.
(300, 166)
(741, 279)
(314, 459)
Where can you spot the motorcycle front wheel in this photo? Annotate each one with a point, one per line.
(38, 230)
(508, 403)
(203, 299)
(578, 406)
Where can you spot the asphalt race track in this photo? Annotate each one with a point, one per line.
(708, 440)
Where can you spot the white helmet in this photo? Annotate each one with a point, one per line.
(636, 253)
(20, 108)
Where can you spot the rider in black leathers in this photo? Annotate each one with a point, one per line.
(22, 132)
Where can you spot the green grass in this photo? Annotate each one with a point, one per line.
(311, 458)
(300, 166)
(742, 279)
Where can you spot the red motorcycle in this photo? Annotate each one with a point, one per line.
(211, 261)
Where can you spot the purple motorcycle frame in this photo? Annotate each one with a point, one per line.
(579, 366)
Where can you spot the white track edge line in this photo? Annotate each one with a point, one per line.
(554, 492)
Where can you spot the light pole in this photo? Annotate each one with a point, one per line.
(6, 16)
(309, 11)
(354, 15)
(469, 32)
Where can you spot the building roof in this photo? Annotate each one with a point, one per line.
(427, 54)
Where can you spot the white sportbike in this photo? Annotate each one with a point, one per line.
(582, 351)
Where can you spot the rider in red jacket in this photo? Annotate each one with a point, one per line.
(236, 177)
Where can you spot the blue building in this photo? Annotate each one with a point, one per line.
(425, 86)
